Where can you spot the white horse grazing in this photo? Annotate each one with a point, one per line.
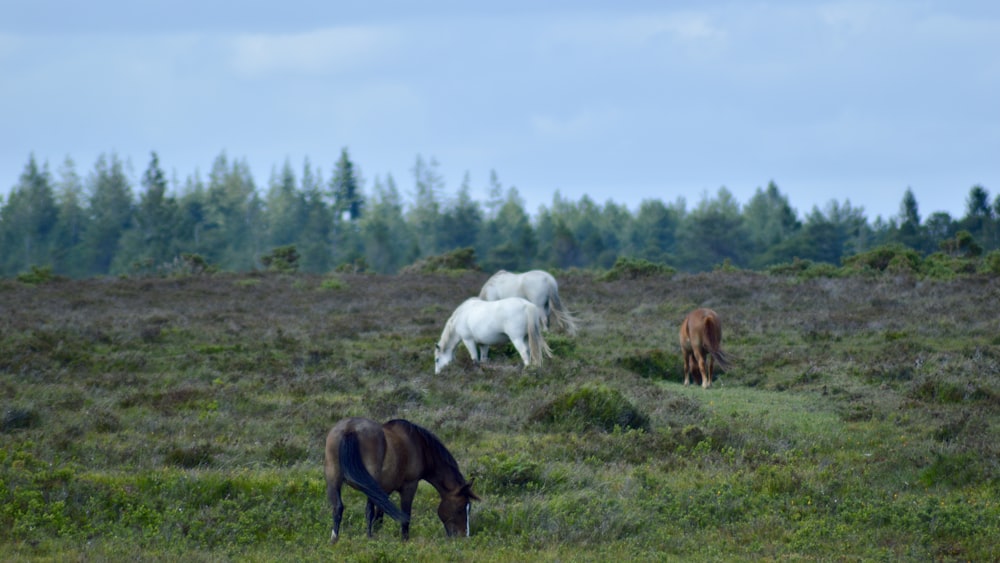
(537, 286)
(485, 323)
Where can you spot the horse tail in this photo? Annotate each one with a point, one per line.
(563, 317)
(537, 346)
(357, 474)
(713, 334)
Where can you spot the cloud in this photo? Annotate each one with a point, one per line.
(584, 124)
(317, 52)
(636, 30)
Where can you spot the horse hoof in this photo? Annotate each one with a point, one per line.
(334, 537)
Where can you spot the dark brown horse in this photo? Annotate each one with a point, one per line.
(378, 459)
(701, 339)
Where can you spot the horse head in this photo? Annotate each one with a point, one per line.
(454, 510)
(442, 357)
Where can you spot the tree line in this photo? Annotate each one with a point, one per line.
(109, 224)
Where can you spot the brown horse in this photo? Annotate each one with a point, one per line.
(701, 338)
(378, 459)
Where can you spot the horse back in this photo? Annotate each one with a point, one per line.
(701, 328)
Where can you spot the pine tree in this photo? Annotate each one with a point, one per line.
(68, 257)
(150, 240)
(110, 213)
(28, 220)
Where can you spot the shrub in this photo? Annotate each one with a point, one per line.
(461, 259)
(626, 268)
(804, 269)
(651, 364)
(595, 407)
(879, 259)
(964, 244)
(991, 263)
(284, 259)
(18, 419)
(504, 471)
(38, 275)
(188, 265)
(190, 457)
(285, 453)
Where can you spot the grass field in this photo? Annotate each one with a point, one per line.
(183, 418)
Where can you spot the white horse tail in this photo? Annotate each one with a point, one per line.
(537, 347)
(563, 317)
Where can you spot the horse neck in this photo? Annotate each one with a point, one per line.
(449, 336)
(440, 469)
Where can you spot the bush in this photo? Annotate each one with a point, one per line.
(991, 263)
(38, 275)
(462, 259)
(651, 364)
(591, 407)
(804, 269)
(284, 259)
(19, 419)
(626, 268)
(879, 259)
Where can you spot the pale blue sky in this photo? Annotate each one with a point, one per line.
(621, 101)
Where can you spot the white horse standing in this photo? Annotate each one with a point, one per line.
(537, 286)
(484, 323)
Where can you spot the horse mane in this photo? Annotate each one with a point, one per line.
(436, 447)
(449, 326)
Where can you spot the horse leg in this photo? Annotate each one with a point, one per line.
(484, 352)
(470, 345)
(373, 516)
(687, 367)
(706, 376)
(522, 349)
(333, 493)
(406, 495)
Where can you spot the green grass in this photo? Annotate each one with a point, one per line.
(183, 418)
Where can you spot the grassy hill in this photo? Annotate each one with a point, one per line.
(184, 417)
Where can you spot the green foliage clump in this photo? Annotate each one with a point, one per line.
(893, 258)
(506, 471)
(627, 268)
(991, 263)
(283, 259)
(943, 266)
(591, 407)
(459, 260)
(285, 453)
(650, 364)
(333, 283)
(19, 419)
(962, 244)
(953, 470)
(199, 455)
(188, 264)
(37, 275)
(804, 269)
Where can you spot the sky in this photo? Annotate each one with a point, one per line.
(619, 101)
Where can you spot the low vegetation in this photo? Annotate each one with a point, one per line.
(182, 416)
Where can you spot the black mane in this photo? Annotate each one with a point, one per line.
(435, 448)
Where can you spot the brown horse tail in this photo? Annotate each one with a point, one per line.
(357, 475)
(537, 346)
(713, 333)
(563, 317)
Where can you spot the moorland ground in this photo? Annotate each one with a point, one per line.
(183, 418)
